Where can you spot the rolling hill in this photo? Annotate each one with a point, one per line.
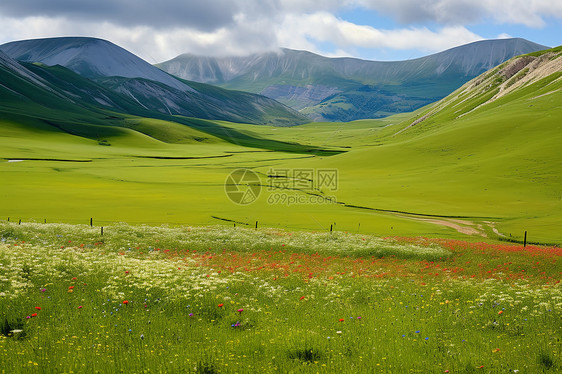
(345, 89)
(488, 152)
(47, 100)
(137, 82)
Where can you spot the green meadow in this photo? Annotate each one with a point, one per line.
(490, 171)
(216, 299)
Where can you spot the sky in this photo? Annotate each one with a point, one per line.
(369, 29)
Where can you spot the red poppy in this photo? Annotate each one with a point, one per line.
(34, 315)
(80, 307)
(341, 320)
(38, 307)
(221, 305)
(302, 297)
(125, 302)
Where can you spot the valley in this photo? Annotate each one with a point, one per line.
(481, 163)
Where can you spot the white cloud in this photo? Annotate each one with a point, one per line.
(325, 27)
(504, 35)
(246, 36)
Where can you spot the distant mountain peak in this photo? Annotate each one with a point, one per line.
(89, 57)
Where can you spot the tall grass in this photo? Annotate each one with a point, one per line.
(144, 299)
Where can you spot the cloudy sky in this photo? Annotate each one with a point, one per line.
(369, 29)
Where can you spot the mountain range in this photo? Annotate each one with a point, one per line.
(282, 88)
(53, 100)
(88, 68)
(345, 89)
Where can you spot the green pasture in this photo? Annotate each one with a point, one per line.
(215, 299)
(493, 168)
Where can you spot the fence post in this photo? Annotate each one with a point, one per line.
(525, 240)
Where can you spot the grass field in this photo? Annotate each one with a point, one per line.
(223, 300)
(156, 171)
(468, 167)
(129, 181)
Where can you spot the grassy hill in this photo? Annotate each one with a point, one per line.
(56, 99)
(489, 151)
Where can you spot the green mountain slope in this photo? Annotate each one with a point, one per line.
(489, 152)
(141, 84)
(54, 99)
(345, 89)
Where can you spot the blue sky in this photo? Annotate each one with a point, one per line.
(549, 34)
(368, 29)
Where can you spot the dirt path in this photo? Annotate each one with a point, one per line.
(467, 228)
(463, 226)
(459, 223)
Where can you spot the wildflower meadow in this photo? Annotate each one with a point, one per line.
(142, 299)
